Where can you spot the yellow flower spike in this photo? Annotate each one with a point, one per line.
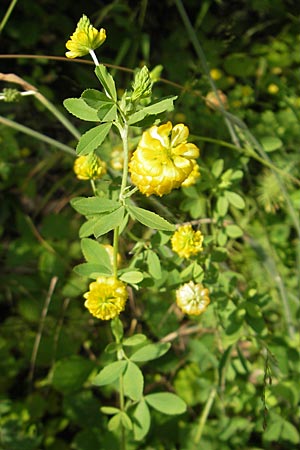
(187, 242)
(106, 298)
(89, 167)
(84, 39)
(192, 298)
(163, 159)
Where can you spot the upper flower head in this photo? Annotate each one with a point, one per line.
(192, 298)
(193, 176)
(89, 167)
(106, 298)
(163, 159)
(186, 242)
(84, 39)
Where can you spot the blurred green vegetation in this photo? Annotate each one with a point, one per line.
(243, 353)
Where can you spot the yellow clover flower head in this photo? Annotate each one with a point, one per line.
(89, 167)
(187, 242)
(163, 159)
(106, 298)
(193, 176)
(84, 39)
(192, 298)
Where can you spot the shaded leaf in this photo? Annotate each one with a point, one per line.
(92, 139)
(150, 219)
(109, 222)
(150, 351)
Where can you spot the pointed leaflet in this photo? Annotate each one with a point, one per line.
(150, 219)
(150, 351)
(92, 270)
(109, 222)
(110, 373)
(107, 81)
(133, 382)
(92, 139)
(95, 252)
(166, 104)
(88, 206)
(141, 420)
(80, 109)
(95, 99)
(166, 402)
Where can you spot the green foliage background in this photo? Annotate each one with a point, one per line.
(237, 366)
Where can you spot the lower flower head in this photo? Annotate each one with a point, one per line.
(187, 242)
(192, 298)
(106, 298)
(89, 167)
(163, 159)
(84, 39)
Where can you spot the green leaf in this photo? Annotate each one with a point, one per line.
(109, 222)
(166, 402)
(115, 422)
(109, 410)
(154, 266)
(217, 168)
(126, 421)
(107, 112)
(92, 139)
(142, 420)
(92, 270)
(87, 228)
(271, 143)
(166, 104)
(110, 373)
(234, 231)
(69, 374)
(80, 109)
(134, 340)
(132, 277)
(150, 219)
(222, 206)
(95, 252)
(107, 81)
(133, 382)
(150, 351)
(93, 205)
(95, 99)
(235, 199)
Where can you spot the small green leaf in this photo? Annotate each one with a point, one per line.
(93, 205)
(126, 421)
(95, 99)
(166, 402)
(87, 228)
(132, 277)
(154, 266)
(271, 143)
(92, 270)
(107, 112)
(234, 231)
(107, 81)
(110, 373)
(92, 139)
(80, 109)
(150, 351)
(166, 104)
(235, 199)
(142, 420)
(115, 422)
(222, 206)
(150, 219)
(109, 410)
(133, 382)
(109, 222)
(134, 340)
(217, 168)
(95, 252)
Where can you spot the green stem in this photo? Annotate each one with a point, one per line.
(7, 14)
(204, 415)
(124, 137)
(122, 405)
(37, 135)
(62, 119)
(116, 249)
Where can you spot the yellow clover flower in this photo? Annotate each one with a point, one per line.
(84, 39)
(193, 176)
(186, 242)
(89, 167)
(106, 298)
(192, 298)
(163, 159)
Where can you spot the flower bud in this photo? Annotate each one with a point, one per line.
(142, 85)
(89, 167)
(192, 298)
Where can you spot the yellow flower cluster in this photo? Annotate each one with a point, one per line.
(163, 159)
(192, 298)
(187, 242)
(89, 167)
(106, 298)
(84, 39)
